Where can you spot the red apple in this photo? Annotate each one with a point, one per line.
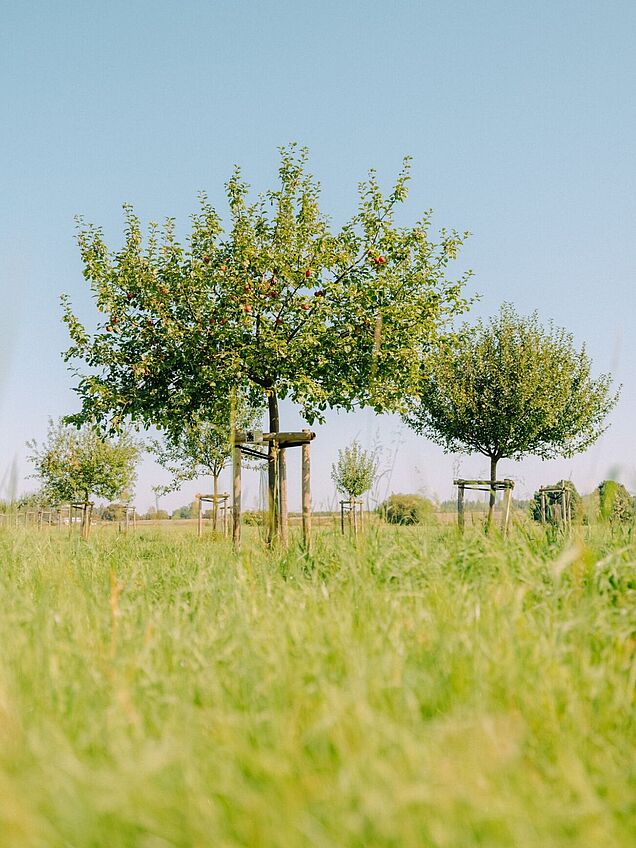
(379, 260)
(206, 259)
(308, 272)
(247, 308)
(305, 306)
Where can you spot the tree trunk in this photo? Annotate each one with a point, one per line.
(491, 499)
(272, 470)
(215, 505)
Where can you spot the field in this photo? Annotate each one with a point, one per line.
(415, 689)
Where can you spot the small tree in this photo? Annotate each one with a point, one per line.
(355, 471)
(74, 465)
(202, 447)
(510, 388)
(614, 502)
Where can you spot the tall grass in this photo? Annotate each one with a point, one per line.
(415, 689)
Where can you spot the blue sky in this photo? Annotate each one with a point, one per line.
(520, 118)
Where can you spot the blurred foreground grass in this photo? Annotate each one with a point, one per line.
(413, 690)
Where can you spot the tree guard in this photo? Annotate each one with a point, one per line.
(219, 500)
(244, 443)
(548, 496)
(484, 486)
(354, 508)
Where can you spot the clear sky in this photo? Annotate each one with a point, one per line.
(520, 118)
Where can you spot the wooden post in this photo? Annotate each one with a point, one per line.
(236, 496)
(543, 510)
(361, 515)
(274, 493)
(460, 507)
(342, 517)
(86, 519)
(306, 491)
(506, 508)
(282, 497)
(199, 516)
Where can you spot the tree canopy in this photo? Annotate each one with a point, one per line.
(355, 471)
(280, 304)
(75, 465)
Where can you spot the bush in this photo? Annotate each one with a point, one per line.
(256, 518)
(407, 509)
(183, 512)
(614, 502)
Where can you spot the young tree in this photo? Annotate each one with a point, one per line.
(74, 465)
(279, 306)
(510, 388)
(355, 471)
(201, 448)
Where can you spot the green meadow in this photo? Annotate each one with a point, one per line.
(413, 688)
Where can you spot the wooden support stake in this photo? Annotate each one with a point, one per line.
(282, 497)
(543, 510)
(236, 497)
(506, 509)
(306, 492)
(460, 507)
(199, 517)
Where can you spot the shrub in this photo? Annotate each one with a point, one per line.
(614, 502)
(253, 517)
(407, 509)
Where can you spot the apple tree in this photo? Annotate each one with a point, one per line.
(275, 302)
(508, 388)
(74, 465)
